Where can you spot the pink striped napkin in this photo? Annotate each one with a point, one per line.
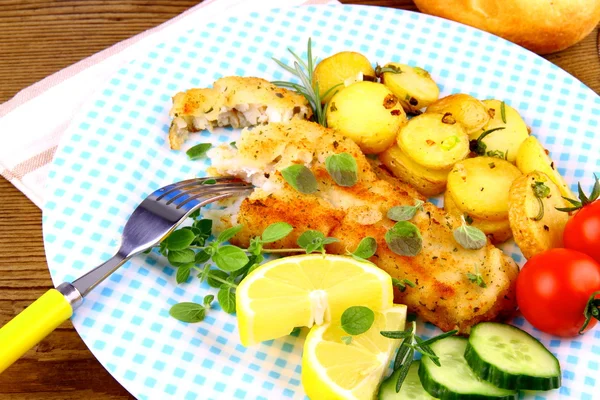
(26, 150)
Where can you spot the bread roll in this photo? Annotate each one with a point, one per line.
(542, 26)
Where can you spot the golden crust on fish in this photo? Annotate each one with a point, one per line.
(233, 101)
(444, 295)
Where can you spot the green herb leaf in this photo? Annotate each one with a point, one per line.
(470, 237)
(208, 299)
(198, 150)
(311, 241)
(540, 189)
(427, 351)
(477, 278)
(201, 257)
(408, 359)
(342, 168)
(178, 257)
(477, 146)
(439, 337)
(188, 312)
(402, 284)
(183, 273)
(404, 213)
(229, 233)
(230, 258)
(215, 278)
(395, 334)
(226, 299)
(404, 238)
(496, 153)
(346, 340)
(205, 226)
(276, 231)
(179, 239)
(357, 320)
(366, 248)
(503, 112)
(209, 182)
(329, 240)
(300, 178)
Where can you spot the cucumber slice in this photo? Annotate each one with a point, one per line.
(510, 358)
(455, 380)
(411, 387)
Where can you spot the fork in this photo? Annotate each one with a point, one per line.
(150, 223)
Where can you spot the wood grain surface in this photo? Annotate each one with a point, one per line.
(38, 38)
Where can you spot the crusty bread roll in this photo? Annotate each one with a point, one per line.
(543, 26)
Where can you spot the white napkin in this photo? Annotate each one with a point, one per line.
(32, 122)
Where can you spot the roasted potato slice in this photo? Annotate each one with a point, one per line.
(467, 110)
(413, 86)
(533, 157)
(427, 182)
(434, 141)
(535, 222)
(368, 113)
(479, 186)
(502, 143)
(343, 68)
(497, 231)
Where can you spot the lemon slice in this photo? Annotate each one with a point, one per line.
(333, 370)
(306, 290)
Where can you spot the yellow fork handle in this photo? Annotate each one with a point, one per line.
(32, 325)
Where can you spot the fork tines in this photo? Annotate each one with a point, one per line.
(184, 192)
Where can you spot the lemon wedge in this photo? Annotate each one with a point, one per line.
(333, 370)
(306, 290)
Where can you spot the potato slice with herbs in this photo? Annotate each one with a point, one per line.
(427, 182)
(435, 141)
(497, 231)
(502, 135)
(368, 113)
(413, 85)
(343, 68)
(536, 223)
(479, 186)
(467, 110)
(533, 157)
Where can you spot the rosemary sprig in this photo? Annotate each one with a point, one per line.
(305, 71)
(410, 344)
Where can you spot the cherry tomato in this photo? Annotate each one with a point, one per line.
(582, 232)
(553, 289)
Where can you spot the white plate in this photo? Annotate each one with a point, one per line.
(115, 153)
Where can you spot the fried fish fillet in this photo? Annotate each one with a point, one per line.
(233, 101)
(443, 295)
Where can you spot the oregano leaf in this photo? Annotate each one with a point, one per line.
(404, 239)
(300, 178)
(230, 258)
(357, 319)
(188, 312)
(342, 168)
(276, 231)
(226, 299)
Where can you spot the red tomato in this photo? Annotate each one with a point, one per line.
(553, 289)
(582, 232)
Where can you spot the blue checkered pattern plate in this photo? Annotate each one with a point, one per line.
(115, 153)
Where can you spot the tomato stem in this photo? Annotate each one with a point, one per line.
(592, 310)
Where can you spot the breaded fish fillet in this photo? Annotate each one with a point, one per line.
(443, 295)
(233, 101)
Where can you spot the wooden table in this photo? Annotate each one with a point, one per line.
(37, 38)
